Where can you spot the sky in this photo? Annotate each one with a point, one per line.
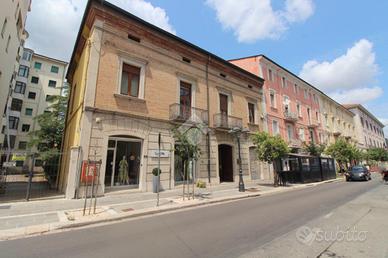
(341, 47)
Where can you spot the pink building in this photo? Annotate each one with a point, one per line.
(292, 104)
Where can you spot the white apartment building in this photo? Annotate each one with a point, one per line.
(39, 78)
(369, 129)
(13, 15)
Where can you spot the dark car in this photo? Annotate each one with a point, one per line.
(358, 173)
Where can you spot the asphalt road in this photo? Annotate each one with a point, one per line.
(223, 230)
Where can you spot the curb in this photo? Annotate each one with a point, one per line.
(58, 226)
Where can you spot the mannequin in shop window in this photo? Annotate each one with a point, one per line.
(123, 172)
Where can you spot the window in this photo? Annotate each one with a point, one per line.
(12, 139)
(284, 83)
(31, 95)
(13, 122)
(301, 134)
(296, 90)
(270, 75)
(272, 99)
(38, 65)
(8, 41)
(362, 122)
(38, 163)
(20, 87)
(286, 103)
(275, 127)
(27, 55)
(28, 112)
(25, 128)
(52, 83)
(4, 27)
(54, 69)
(16, 105)
(251, 113)
(306, 96)
(49, 98)
(298, 109)
(289, 132)
(34, 79)
(130, 80)
(23, 71)
(22, 145)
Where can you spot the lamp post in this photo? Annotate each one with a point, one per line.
(237, 132)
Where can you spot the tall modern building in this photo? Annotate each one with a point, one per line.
(13, 15)
(39, 77)
(369, 129)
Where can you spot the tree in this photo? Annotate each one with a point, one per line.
(343, 152)
(187, 149)
(377, 154)
(270, 149)
(48, 137)
(314, 149)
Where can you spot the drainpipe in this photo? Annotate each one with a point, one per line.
(208, 117)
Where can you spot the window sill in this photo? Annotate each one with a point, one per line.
(129, 98)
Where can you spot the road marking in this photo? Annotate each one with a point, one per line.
(328, 215)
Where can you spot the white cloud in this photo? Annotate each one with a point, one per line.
(350, 78)
(360, 96)
(253, 20)
(53, 24)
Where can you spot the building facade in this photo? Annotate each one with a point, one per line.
(337, 122)
(42, 78)
(146, 84)
(369, 129)
(292, 105)
(13, 15)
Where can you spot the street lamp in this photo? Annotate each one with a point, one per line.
(237, 132)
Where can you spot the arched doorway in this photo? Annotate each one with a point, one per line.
(225, 163)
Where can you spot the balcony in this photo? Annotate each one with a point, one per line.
(290, 116)
(295, 143)
(182, 114)
(313, 123)
(223, 121)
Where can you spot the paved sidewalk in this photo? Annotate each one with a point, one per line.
(28, 218)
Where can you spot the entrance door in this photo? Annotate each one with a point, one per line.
(225, 163)
(224, 110)
(185, 100)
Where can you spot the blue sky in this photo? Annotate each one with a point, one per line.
(345, 41)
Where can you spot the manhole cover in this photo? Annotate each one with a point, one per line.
(128, 209)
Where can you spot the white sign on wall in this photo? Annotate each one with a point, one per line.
(155, 153)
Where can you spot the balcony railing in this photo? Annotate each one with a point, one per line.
(314, 123)
(227, 122)
(295, 143)
(290, 116)
(182, 113)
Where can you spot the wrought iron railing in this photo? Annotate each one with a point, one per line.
(227, 122)
(183, 113)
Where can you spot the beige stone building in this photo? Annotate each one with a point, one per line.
(13, 15)
(131, 81)
(337, 121)
(369, 130)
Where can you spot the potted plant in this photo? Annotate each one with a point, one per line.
(156, 179)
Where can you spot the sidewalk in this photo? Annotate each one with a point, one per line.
(28, 218)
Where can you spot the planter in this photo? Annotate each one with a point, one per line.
(155, 183)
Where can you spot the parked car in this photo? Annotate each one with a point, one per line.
(358, 173)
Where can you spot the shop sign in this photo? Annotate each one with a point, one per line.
(155, 153)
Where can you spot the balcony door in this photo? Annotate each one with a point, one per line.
(185, 100)
(224, 109)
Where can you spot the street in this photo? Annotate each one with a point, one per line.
(225, 230)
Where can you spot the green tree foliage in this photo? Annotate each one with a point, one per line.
(376, 154)
(48, 138)
(314, 149)
(270, 149)
(344, 152)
